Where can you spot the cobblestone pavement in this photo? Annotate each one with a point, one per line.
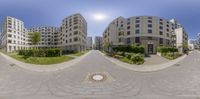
(181, 81)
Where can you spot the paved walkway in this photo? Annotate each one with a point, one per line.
(154, 60)
(180, 81)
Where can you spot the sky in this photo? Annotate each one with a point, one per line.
(99, 13)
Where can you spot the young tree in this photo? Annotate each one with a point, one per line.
(35, 38)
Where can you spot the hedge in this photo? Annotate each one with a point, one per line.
(50, 52)
(167, 49)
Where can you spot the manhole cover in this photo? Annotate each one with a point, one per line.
(98, 77)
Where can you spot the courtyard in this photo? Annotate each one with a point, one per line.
(94, 76)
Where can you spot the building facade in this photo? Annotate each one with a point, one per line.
(98, 43)
(89, 43)
(71, 35)
(149, 31)
(14, 35)
(198, 40)
(49, 36)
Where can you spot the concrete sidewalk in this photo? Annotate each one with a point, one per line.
(144, 68)
(44, 68)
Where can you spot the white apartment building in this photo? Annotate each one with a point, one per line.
(89, 42)
(98, 43)
(198, 40)
(49, 36)
(70, 36)
(149, 31)
(14, 35)
(73, 33)
(192, 44)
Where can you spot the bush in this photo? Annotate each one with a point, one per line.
(171, 55)
(137, 59)
(166, 49)
(51, 52)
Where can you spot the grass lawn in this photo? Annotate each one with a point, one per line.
(79, 53)
(41, 60)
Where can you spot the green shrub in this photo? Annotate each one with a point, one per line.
(137, 59)
(51, 52)
(166, 49)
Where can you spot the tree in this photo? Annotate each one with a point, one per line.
(35, 38)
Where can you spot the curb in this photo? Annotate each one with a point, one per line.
(144, 68)
(44, 68)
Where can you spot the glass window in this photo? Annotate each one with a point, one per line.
(137, 25)
(149, 31)
(137, 31)
(137, 39)
(150, 25)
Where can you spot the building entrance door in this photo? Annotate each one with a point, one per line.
(150, 48)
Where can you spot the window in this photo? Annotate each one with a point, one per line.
(128, 40)
(137, 31)
(161, 33)
(122, 25)
(150, 25)
(167, 30)
(161, 27)
(128, 27)
(128, 33)
(9, 41)
(161, 23)
(75, 39)
(75, 32)
(137, 39)
(149, 17)
(149, 21)
(149, 31)
(137, 25)
(161, 19)
(161, 40)
(137, 21)
(137, 17)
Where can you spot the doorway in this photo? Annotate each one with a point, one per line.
(150, 48)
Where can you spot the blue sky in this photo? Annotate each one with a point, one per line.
(51, 12)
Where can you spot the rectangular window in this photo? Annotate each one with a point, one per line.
(128, 40)
(137, 39)
(161, 27)
(137, 21)
(149, 31)
(161, 41)
(161, 33)
(128, 27)
(150, 25)
(137, 31)
(137, 25)
(128, 33)
(149, 21)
